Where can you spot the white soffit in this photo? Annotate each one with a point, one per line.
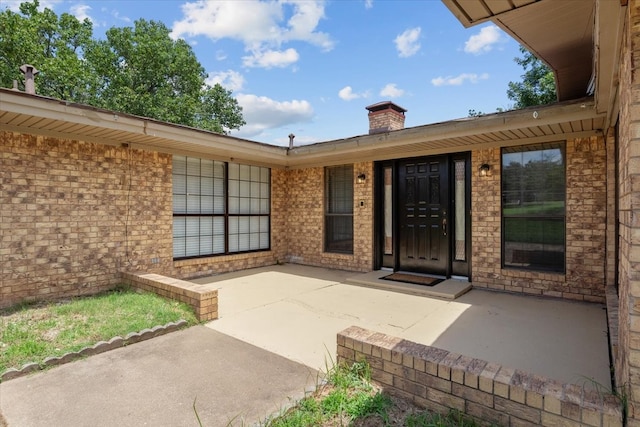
(560, 32)
(32, 114)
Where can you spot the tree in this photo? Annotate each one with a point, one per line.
(218, 110)
(53, 45)
(138, 70)
(538, 85)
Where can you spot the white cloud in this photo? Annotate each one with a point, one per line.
(262, 113)
(368, 4)
(459, 80)
(14, 5)
(347, 94)
(119, 17)
(271, 58)
(221, 55)
(81, 12)
(484, 41)
(407, 43)
(391, 90)
(231, 80)
(261, 25)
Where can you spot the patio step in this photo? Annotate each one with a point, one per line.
(447, 289)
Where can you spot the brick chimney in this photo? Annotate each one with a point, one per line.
(385, 116)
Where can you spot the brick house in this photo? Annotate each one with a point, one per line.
(538, 201)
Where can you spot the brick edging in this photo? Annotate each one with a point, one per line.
(440, 380)
(100, 347)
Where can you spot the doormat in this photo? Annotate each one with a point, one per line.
(413, 278)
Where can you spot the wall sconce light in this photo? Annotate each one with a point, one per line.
(362, 178)
(484, 169)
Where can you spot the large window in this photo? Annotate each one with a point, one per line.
(533, 207)
(338, 217)
(219, 207)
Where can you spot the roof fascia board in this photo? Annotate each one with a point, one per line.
(17, 102)
(180, 140)
(374, 155)
(546, 115)
(458, 11)
(610, 21)
(221, 142)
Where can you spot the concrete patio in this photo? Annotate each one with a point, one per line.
(296, 311)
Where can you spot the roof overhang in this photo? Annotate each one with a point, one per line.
(557, 122)
(579, 40)
(33, 114)
(50, 117)
(558, 32)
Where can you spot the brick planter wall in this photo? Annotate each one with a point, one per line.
(202, 298)
(439, 380)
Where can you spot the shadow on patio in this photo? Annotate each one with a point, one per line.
(297, 311)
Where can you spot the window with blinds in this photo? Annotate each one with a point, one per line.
(219, 208)
(338, 215)
(533, 207)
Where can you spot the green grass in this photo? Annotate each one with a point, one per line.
(544, 208)
(32, 332)
(349, 398)
(347, 395)
(541, 231)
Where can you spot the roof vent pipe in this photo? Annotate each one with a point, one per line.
(29, 72)
(291, 136)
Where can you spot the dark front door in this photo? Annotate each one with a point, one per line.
(423, 215)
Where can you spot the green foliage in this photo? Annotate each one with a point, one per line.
(347, 396)
(138, 70)
(54, 45)
(538, 85)
(217, 110)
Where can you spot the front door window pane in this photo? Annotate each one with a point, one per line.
(460, 217)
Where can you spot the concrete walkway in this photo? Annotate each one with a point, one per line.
(296, 311)
(155, 383)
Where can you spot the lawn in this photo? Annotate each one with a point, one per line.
(32, 332)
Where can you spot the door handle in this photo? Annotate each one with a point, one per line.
(444, 226)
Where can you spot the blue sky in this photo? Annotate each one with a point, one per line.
(311, 67)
